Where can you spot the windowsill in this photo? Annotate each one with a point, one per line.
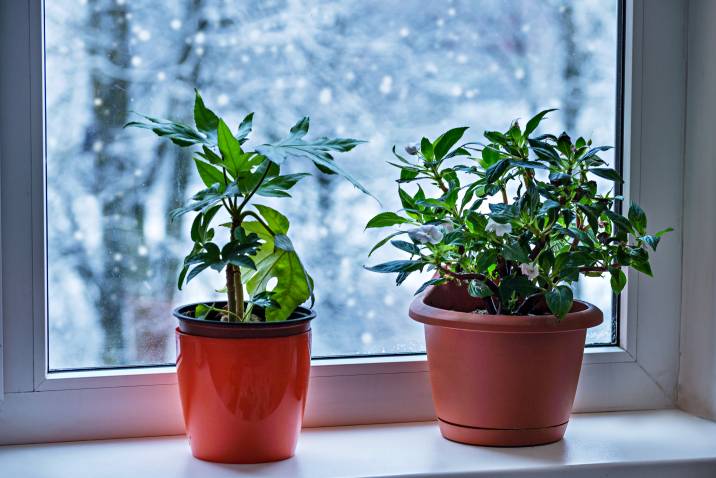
(656, 443)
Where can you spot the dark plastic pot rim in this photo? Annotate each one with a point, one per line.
(298, 323)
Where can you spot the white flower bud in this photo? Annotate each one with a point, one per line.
(447, 227)
(425, 234)
(499, 229)
(530, 270)
(412, 149)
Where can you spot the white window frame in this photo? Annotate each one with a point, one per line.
(639, 373)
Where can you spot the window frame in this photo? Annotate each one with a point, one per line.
(639, 373)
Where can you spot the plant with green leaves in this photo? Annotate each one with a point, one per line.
(257, 249)
(516, 219)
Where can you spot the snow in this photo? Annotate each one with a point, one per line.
(389, 72)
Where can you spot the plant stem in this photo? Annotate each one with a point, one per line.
(260, 221)
(247, 198)
(234, 288)
(239, 291)
(230, 290)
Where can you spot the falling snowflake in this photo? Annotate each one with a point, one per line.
(222, 100)
(386, 84)
(404, 32)
(175, 24)
(325, 96)
(366, 338)
(136, 61)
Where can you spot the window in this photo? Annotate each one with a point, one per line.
(638, 372)
(385, 72)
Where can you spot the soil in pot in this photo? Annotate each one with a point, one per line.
(243, 386)
(501, 380)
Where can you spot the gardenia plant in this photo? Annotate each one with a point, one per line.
(256, 249)
(516, 219)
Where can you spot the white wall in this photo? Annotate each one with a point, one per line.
(697, 377)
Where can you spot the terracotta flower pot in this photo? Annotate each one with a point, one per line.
(501, 380)
(243, 386)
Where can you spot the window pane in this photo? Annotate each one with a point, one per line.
(387, 72)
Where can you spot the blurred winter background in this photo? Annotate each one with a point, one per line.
(385, 71)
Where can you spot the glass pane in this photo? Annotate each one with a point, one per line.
(382, 71)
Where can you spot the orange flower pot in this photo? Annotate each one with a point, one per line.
(501, 380)
(243, 386)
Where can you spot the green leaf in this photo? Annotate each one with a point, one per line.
(201, 311)
(559, 178)
(512, 251)
(535, 121)
(397, 266)
(206, 198)
(618, 280)
(210, 156)
(383, 241)
(408, 174)
(179, 133)
(426, 284)
(426, 147)
(529, 164)
(479, 289)
(386, 219)
(594, 151)
(209, 174)
(619, 220)
(494, 172)
(643, 266)
(607, 173)
(496, 137)
(664, 231)
(559, 300)
(519, 286)
(490, 155)
(245, 128)
(204, 119)
(637, 217)
(548, 205)
(447, 140)
(230, 149)
(317, 151)
(276, 221)
(282, 241)
(293, 284)
(196, 270)
(408, 247)
(182, 276)
(279, 185)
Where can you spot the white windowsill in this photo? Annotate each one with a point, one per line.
(652, 444)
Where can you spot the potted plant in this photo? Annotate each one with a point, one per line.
(513, 223)
(243, 364)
